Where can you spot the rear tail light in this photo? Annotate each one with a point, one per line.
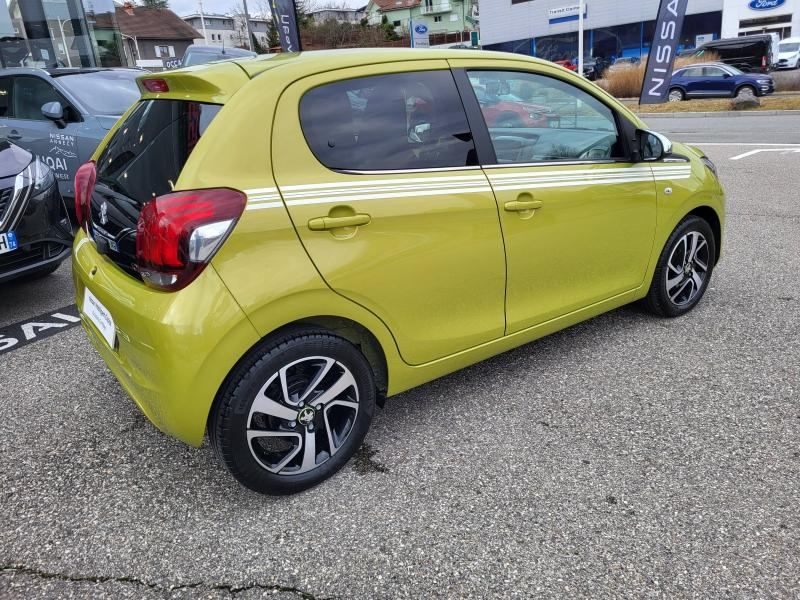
(85, 178)
(156, 86)
(178, 234)
(763, 63)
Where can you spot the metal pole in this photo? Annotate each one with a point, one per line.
(203, 23)
(64, 40)
(247, 26)
(580, 37)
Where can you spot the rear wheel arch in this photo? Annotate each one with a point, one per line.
(355, 333)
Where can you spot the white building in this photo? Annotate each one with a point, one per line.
(613, 28)
(342, 15)
(228, 29)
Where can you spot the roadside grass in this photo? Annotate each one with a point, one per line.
(787, 81)
(720, 104)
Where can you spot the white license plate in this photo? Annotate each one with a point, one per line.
(100, 317)
(8, 242)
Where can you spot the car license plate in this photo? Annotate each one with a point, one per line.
(8, 242)
(100, 317)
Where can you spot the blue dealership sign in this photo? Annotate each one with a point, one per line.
(765, 4)
(421, 28)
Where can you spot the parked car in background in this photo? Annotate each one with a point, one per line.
(274, 298)
(60, 115)
(624, 62)
(35, 231)
(567, 64)
(789, 53)
(717, 80)
(200, 55)
(594, 67)
(509, 111)
(751, 53)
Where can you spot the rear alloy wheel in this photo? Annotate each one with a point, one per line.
(675, 95)
(746, 91)
(684, 269)
(296, 415)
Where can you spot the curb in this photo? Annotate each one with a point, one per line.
(720, 113)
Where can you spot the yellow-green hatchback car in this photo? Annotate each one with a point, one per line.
(271, 247)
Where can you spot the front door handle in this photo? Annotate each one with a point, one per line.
(325, 223)
(14, 135)
(520, 205)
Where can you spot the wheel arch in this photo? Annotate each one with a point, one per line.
(739, 88)
(710, 216)
(354, 332)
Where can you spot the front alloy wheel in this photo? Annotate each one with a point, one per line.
(294, 412)
(683, 270)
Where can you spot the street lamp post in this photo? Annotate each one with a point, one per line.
(580, 37)
(203, 23)
(136, 44)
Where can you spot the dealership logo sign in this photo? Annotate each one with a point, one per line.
(765, 4)
(421, 29)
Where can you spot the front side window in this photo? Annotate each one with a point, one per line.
(30, 94)
(713, 72)
(5, 97)
(534, 118)
(388, 122)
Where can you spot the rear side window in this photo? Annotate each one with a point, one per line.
(388, 122)
(148, 151)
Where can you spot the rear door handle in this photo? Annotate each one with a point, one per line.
(520, 205)
(325, 223)
(14, 135)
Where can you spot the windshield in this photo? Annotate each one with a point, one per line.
(790, 47)
(103, 92)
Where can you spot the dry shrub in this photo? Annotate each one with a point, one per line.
(787, 81)
(627, 83)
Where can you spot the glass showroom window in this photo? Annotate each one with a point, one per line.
(59, 33)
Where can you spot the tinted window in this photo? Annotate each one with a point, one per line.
(713, 72)
(535, 118)
(388, 122)
(148, 151)
(5, 97)
(30, 93)
(693, 72)
(103, 92)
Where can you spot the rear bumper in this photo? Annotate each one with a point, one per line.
(172, 350)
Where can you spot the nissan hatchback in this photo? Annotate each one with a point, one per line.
(270, 248)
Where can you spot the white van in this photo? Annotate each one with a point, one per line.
(789, 53)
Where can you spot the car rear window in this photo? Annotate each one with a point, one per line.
(388, 122)
(148, 151)
(104, 92)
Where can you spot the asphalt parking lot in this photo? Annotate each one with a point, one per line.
(624, 457)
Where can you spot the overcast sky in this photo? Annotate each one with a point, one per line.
(185, 7)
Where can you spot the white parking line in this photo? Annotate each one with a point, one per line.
(752, 152)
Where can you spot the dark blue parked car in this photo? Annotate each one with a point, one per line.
(717, 80)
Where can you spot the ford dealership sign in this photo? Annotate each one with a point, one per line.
(765, 4)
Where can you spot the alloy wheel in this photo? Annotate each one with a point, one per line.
(675, 96)
(687, 268)
(302, 415)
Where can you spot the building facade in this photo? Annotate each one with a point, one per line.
(614, 28)
(228, 29)
(153, 36)
(52, 33)
(340, 15)
(440, 16)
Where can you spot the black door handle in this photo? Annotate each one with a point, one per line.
(14, 135)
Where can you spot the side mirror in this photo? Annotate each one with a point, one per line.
(417, 133)
(653, 146)
(55, 112)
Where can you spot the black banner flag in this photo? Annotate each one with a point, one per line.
(285, 19)
(662, 52)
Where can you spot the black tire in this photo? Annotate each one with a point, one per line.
(678, 91)
(231, 415)
(508, 121)
(658, 300)
(745, 89)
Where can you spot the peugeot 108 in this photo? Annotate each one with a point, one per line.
(271, 247)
